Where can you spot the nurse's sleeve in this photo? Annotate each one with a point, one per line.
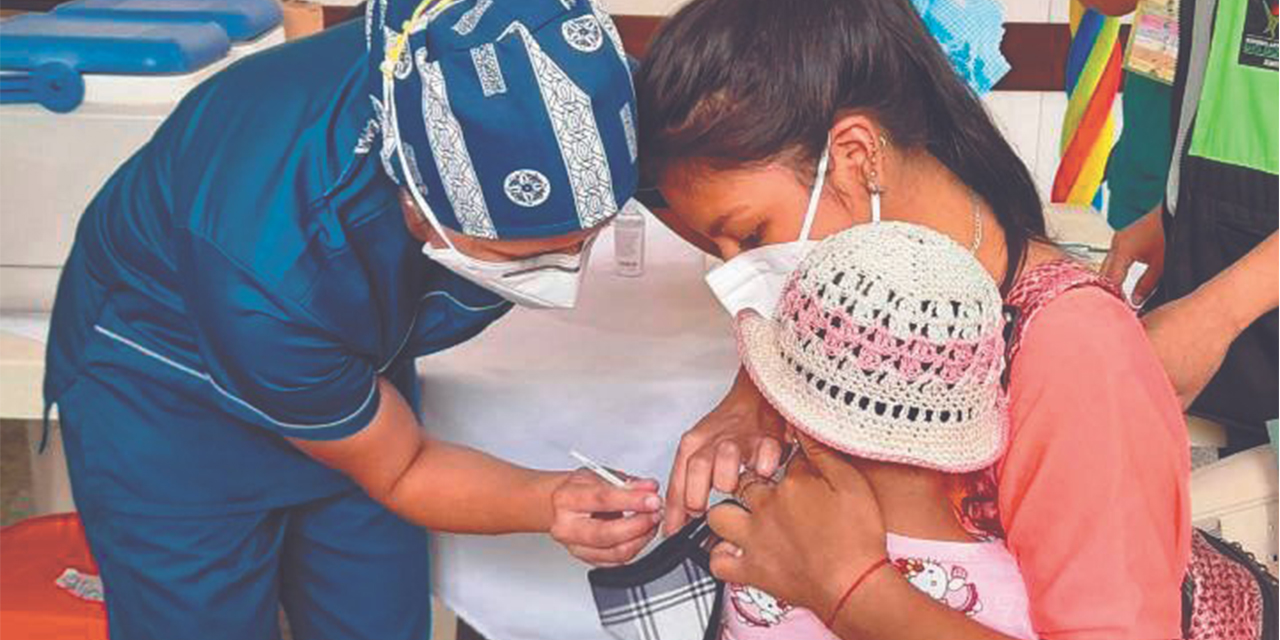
(273, 362)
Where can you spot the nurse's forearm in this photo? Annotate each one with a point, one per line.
(448, 487)
(435, 484)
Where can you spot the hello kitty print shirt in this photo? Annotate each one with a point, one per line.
(978, 579)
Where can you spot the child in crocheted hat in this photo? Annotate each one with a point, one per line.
(888, 347)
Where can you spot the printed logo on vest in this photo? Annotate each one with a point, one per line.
(1258, 43)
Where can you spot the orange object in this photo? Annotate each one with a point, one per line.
(33, 554)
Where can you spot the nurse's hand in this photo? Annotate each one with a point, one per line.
(589, 517)
(742, 430)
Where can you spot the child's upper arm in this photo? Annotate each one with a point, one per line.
(1093, 489)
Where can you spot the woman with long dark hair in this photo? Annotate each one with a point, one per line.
(751, 108)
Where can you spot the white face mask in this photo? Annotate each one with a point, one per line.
(754, 279)
(549, 281)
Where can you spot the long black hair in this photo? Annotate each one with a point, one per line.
(740, 82)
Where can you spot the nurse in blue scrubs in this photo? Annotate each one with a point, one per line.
(233, 343)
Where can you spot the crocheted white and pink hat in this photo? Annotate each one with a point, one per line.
(887, 344)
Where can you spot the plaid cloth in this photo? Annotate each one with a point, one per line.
(677, 606)
(669, 594)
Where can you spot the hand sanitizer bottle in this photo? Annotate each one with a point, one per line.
(628, 240)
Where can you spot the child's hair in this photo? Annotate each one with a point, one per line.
(977, 505)
(973, 498)
(739, 82)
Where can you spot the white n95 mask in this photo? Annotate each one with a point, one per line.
(549, 281)
(754, 279)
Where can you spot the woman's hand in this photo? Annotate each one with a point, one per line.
(589, 517)
(810, 537)
(742, 429)
(805, 539)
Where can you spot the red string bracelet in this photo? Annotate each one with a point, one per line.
(854, 587)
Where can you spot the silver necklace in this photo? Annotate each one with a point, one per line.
(977, 224)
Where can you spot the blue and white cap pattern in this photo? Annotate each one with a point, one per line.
(515, 118)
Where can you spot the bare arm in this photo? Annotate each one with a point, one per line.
(742, 429)
(1211, 317)
(1250, 287)
(436, 484)
(448, 487)
(887, 607)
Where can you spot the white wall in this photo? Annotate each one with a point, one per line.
(1032, 122)
(641, 7)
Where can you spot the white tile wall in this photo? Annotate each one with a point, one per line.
(1032, 122)
(641, 7)
(1059, 10)
(1017, 114)
(1029, 10)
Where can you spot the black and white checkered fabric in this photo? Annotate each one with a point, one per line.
(669, 594)
(678, 606)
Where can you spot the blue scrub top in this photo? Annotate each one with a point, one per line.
(244, 277)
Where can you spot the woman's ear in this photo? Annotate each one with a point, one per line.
(857, 155)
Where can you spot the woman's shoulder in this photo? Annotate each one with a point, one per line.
(1067, 296)
(1076, 337)
(1048, 272)
(1083, 361)
(1081, 318)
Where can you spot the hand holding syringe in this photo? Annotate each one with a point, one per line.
(603, 516)
(596, 468)
(608, 476)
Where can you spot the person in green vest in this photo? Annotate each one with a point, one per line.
(1214, 319)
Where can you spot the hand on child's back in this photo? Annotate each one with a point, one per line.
(821, 519)
(742, 430)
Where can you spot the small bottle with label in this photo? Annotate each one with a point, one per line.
(628, 240)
